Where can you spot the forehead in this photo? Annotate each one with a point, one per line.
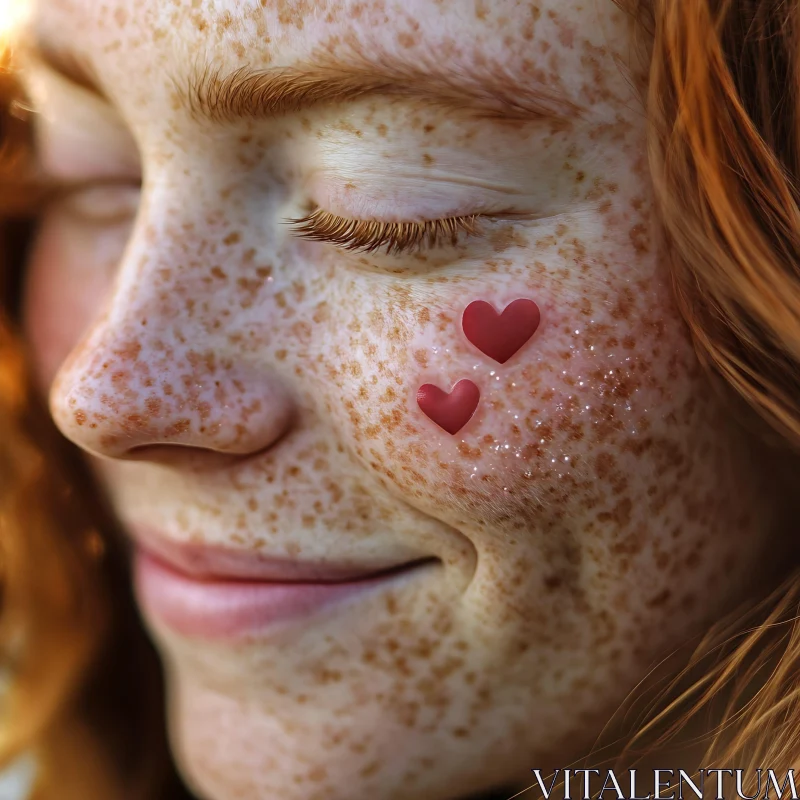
(574, 47)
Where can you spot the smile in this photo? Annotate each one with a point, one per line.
(198, 604)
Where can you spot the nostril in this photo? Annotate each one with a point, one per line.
(189, 456)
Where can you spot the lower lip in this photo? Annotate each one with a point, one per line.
(219, 609)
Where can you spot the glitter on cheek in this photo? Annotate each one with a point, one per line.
(523, 457)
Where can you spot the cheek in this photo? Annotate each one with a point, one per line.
(68, 277)
(602, 395)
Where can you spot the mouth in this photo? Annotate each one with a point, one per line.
(213, 593)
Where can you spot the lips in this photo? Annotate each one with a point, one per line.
(218, 593)
(209, 562)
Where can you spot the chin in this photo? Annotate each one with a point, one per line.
(228, 748)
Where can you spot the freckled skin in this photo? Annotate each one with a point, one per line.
(596, 510)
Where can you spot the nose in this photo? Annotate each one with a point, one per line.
(125, 393)
(167, 367)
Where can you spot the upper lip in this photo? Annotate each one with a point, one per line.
(219, 562)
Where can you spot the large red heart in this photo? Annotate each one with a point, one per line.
(499, 336)
(449, 411)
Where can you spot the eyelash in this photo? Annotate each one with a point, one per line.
(369, 236)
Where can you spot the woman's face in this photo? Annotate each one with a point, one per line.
(249, 394)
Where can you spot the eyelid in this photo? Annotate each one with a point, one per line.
(105, 204)
(369, 236)
(77, 135)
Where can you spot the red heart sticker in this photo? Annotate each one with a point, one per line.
(449, 411)
(499, 336)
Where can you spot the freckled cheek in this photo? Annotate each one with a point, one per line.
(539, 419)
(484, 417)
(67, 279)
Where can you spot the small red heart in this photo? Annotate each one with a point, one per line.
(449, 411)
(499, 336)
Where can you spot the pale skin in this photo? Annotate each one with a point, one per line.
(598, 508)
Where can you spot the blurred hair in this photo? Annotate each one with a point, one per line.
(85, 695)
(722, 84)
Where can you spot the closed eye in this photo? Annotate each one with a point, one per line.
(370, 236)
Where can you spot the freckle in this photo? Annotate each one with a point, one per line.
(428, 159)
(80, 417)
(506, 237)
(280, 355)
(625, 304)
(220, 273)
(406, 39)
(180, 426)
(370, 769)
(129, 351)
(639, 238)
(321, 312)
(153, 405)
(317, 774)
(382, 129)
(421, 357)
(233, 238)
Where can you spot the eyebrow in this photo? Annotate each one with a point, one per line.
(483, 89)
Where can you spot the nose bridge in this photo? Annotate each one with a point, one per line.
(158, 366)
